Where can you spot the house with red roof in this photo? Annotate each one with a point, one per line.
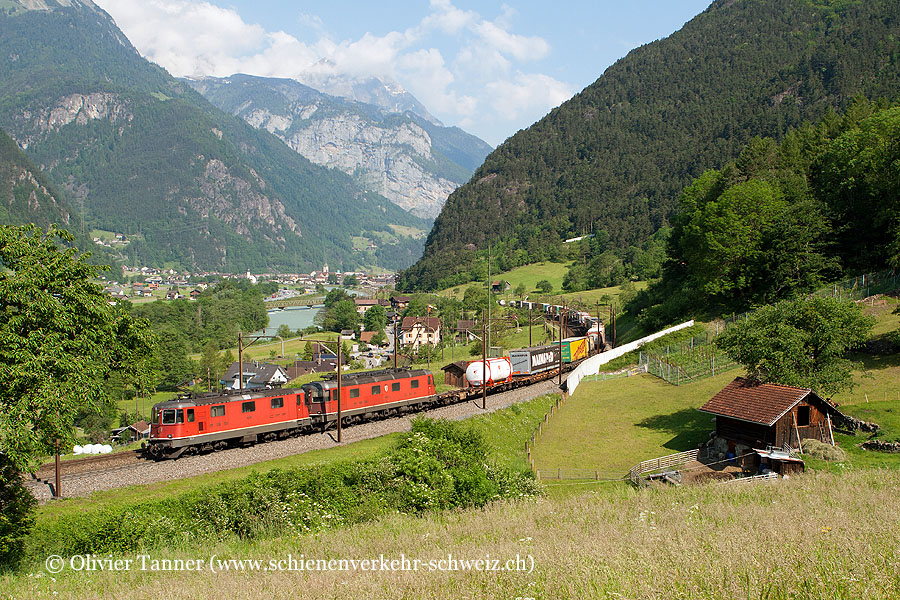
(753, 418)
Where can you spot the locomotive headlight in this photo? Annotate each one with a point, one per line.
(170, 435)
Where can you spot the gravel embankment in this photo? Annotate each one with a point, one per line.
(189, 466)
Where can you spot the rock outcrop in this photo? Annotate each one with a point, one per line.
(391, 154)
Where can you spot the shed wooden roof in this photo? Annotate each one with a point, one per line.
(459, 366)
(755, 402)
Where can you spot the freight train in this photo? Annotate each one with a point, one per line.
(214, 421)
(531, 361)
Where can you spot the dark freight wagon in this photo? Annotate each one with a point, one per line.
(534, 360)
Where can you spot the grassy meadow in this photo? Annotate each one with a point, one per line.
(817, 536)
(610, 426)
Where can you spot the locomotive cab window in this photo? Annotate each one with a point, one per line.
(395, 387)
(190, 415)
(217, 411)
(277, 402)
(376, 389)
(168, 416)
(414, 383)
(247, 407)
(179, 416)
(354, 393)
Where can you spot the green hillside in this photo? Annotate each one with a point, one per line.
(27, 196)
(616, 156)
(143, 153)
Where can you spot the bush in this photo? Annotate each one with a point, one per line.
(439, 465)
(16, 514)
(817, 449)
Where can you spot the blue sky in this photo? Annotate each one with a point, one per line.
(489, 67)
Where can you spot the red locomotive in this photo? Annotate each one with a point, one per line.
(209, 422)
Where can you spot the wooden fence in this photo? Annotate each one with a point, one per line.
(637, 472)
(766, 477)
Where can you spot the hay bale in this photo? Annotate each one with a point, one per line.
(817, 449)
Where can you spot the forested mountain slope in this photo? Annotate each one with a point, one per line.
(616, 156)
(141, 153)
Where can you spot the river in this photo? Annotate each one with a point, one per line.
(295, 317)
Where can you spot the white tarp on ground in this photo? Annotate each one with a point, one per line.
(591, 366)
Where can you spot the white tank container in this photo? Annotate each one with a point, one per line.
(496, 370)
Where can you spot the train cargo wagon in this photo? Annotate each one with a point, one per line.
(574, 349)
(537, 359)
(494, 371)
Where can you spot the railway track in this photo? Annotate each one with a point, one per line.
(86, 466)
(140, 471)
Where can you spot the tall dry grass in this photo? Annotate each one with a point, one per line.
(816, 536)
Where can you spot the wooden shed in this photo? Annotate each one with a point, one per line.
(766, 415)
(455, 374)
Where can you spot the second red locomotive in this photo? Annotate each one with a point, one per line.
(209, 422)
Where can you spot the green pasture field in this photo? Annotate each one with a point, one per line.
(528, 275)
(610, 426)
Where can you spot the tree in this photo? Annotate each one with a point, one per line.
(475, 298)
(857, 176)
(520, 290)
(350, 281)
(284, 330)
(375, 318)
(544, 286)
(335, 296)
(339, 316)
(59, 339)
(418, 306)
(307, 351)
(17, 515)
(210, 363)
(801, 343)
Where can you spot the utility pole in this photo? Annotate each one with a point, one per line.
(483, 361)
(57, 490)
(490, 297)
(560, 354)
(395, 342)
(241, 361)
(614, 324)
(529, 324)
(339, 389)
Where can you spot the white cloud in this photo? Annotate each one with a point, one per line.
(526, 93)
(482, 87)
(430, 81)
(520, 47)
